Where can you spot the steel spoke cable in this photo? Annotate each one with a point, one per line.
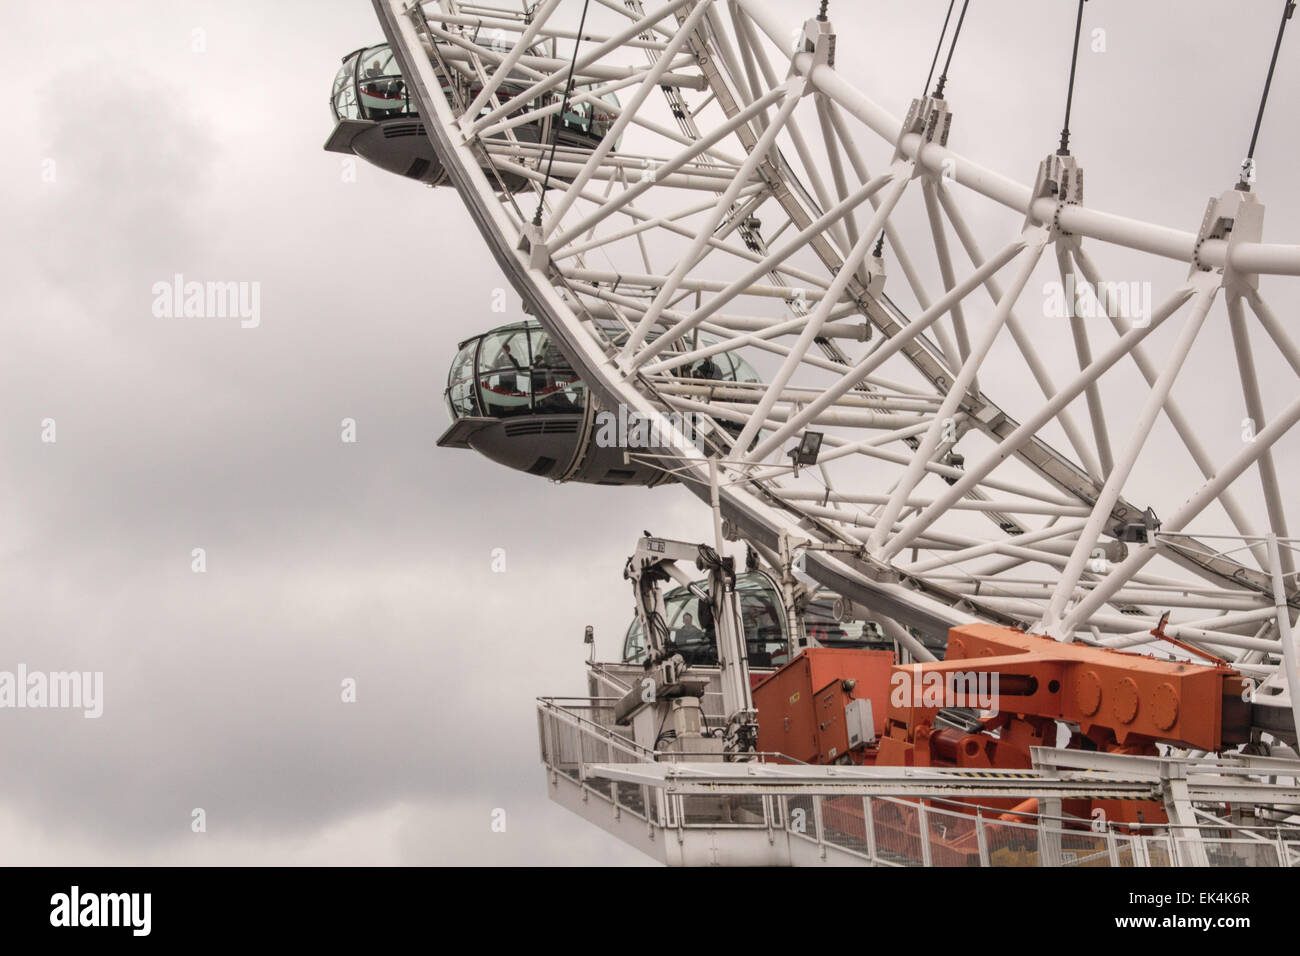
(1064, 149)
(1248, 167)
(938, 47)
(564, 105)
(956, 35)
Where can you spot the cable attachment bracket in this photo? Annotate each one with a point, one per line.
(1235, 217)
(929, 118)
(818, 39)
(1060, 179)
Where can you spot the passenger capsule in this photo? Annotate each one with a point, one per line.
(690, 631)
(377, 118)
(514, 398)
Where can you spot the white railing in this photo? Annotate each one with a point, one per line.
(577, 733)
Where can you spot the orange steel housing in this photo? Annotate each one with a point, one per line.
(801, 706)
(1122, 703)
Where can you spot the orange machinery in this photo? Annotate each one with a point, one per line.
(1121, 702)
(805, 709)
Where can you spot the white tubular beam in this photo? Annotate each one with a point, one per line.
(958, 390)
(773, 260)
(954, 543)
(648, 281)
(1173, 411)
(625, 117)
(744, 37)
(1255, 409)
(674, 164)
(1285, 637)
(959, 352)
(727, 53)
(1275, 330)
(1221, 643)
(515, 26)
(589, 58)
(1161, 599)
(1083, 350)
(1063, 529)
(592, 95)
(843, 449)
(1199, 629)
(1146, 237)
(903, 637)
(872, 449)
(834, 157)
(1220, 601)
(1010, 507)
(462, 54)
(621, 8)
(779, 34)
(762, 327)
(1257, 257)
(641, 225)
(818, 318)
(896, 342)
(707, 228)
(677, 360)
(838, 234)
(860, 170)
(1208, 493)
(632, 305)
(503, 69)
(1033, 361)
(1110, 492)
(851, 418)
(1027, 429)
(738, 392)
(678, 180)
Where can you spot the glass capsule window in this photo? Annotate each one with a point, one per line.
(343, 98)
(556, 387)
(760, 609)
(603, 116)
(505, 375)
(722, 367)
(370, 86)
(461, 399)
(516, 370)
(742, 371)
(380, 86)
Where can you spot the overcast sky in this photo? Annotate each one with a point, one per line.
(140, 149)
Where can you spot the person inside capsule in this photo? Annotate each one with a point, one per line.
(554, 380)
(382, 89)
(688, 633)
(517, 375)
(760, 609)
(707, 369)
(369, 86)
(504, 382)
(696, 645)
(514, 370)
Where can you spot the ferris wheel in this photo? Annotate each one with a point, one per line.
(671, 183)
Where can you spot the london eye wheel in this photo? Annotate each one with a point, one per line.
(935, 431)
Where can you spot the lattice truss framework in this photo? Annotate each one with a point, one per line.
(980, 460)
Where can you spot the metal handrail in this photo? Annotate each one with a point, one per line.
(551, 704)
(1135, 841)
